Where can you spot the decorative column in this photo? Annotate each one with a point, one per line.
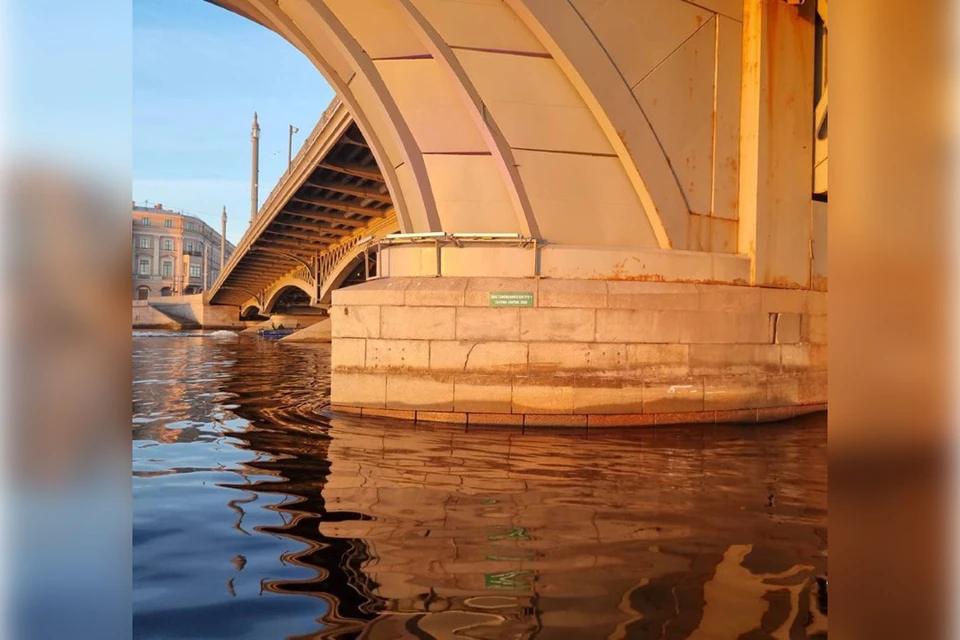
(223, 239)
(255, 168)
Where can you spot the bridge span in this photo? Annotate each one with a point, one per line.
(611, 213)
(309, 235)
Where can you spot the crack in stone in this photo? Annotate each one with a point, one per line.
(466, 360)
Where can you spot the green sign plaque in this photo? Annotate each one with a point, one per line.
(511, 298)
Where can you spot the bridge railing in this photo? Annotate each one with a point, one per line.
(302, 273)
(439, 239)
(330, 259)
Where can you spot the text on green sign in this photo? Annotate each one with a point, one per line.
(511, 298)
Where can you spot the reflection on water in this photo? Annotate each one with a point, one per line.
(257, 517)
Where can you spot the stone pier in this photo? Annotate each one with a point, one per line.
(577, 213)
(584, 353)
(184, 312)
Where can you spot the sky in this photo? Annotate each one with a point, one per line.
(199, 73)
(67, 106)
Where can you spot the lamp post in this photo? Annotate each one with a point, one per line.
(255, 168)
(292, 131)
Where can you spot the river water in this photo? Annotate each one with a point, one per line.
(257, 516)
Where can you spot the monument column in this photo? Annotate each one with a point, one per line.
(255, 168)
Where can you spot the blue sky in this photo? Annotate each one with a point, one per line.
(199, 73)
(68, 105)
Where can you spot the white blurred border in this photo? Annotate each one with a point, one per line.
(953, 385)
(66, 114)
(6, 449)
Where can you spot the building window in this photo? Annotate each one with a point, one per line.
(189, 247)
(195, 271)
(168, 223)
(144, 267)
(144, 242)
(167, 244)
(167, 269)
(145, 222)
(199, 247)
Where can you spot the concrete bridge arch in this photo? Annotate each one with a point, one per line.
(613, 126)
(438, 97)
(652, 154)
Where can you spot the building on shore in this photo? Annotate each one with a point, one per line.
(173, 253)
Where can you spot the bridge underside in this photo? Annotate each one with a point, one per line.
(333, 197)
(647, 181)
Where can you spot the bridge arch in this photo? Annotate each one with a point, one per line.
(526, 116)
(284, 289)
(349, 271)
(250, 311)
(343, 263)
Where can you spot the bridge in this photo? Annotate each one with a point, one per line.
(309, 236)
(583, 213)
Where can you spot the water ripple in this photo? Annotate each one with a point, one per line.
(256, 515)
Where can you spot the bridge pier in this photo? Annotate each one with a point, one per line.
(576, 352)
(601, 215)
(184, 312)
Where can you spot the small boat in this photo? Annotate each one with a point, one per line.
(279, 332)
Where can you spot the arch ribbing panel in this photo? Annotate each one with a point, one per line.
(459, 164)
(578, 191)
(500, 153)
(380, 104)
(593, 124)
